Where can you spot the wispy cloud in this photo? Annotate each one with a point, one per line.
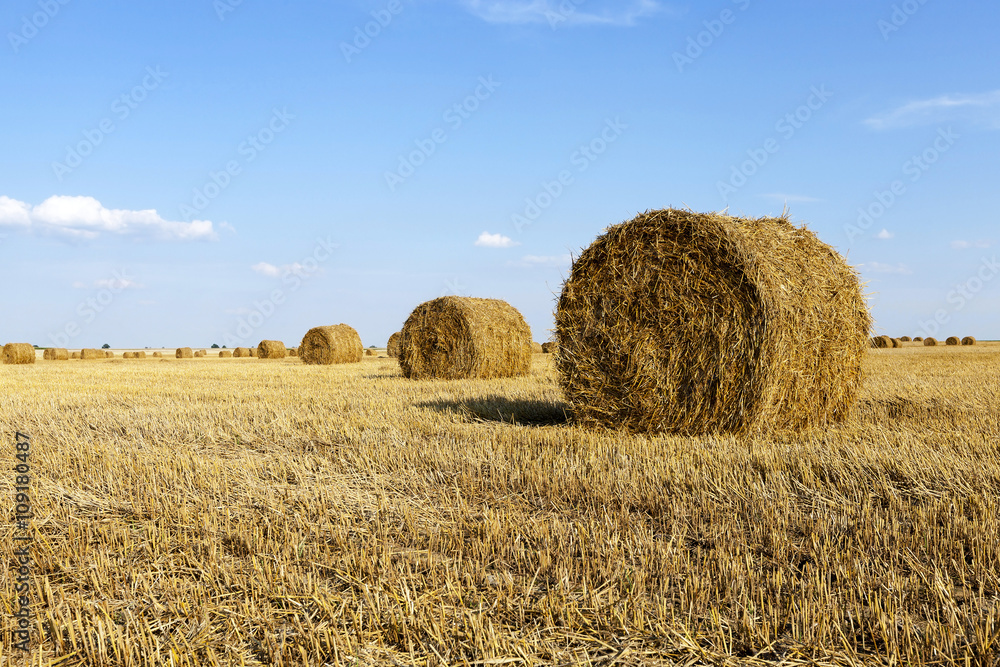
(87, 218)
(779, 196)
(275, 271)
(963, 245)
(116, 284)
(533, 261)
(487, 240)
(981, 107)
(563, 12)
(885, 234)
(878, 267)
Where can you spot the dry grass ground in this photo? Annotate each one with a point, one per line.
(231, 512)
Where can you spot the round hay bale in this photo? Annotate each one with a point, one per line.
(392, 347)
(271, 349)
(56, 354)
(293, 352)
(157, 355)
(108, 354)
(241, 352)
(930, 342)
(184, 353)
(90, 353)
(549, 347)
(918, 339)
(536, 347)
(897, 343)
(337, 344)
(457, 337)
(126, 355)
(253, 352)
(370, 352)
(968, 340)
(141, 354)
(696, 323)
(905, 339)
(19, 353)
(952, 340)
(74, 355)
(881, 341)
(225, 354)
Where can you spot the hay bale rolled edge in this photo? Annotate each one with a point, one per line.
(335, 344)
(74, 355)
(392, 346)
(271, 349)
(19, 353)
(456, 337)
(695, 323)
(905, 339)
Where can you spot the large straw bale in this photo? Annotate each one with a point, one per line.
(336, 344)
(695, 323)
(464, 337)
(184, 353)
(19, 353)
(968, 340)
(392, 347)
(91, 353)
(271, 349)
(952, 340)
(56, 354)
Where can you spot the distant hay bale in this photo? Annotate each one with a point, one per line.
(370, 352)
(225, 354)
(930, 342)
(337, 344)
(293, 352)
(141, 354)
(56, 354)
(881, 342)
(74, 355)
(694, 323)
(184, 353)
(905, 339)
(241, 352)
(108, 354)
(253, 352)
(201, 353)
(918, 339)
(157, 355)
(457, 337)
(392, 347)
(90, 353)
(968, 340)
(897, 343)
(536, 347)
(952, 340)
(126, 355)
(271, 349)
(549, 347)
(19, 353)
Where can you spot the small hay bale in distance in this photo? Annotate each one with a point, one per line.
(536, 347)
(392, 347)
(141, 354)
(225, 354)
(930, 341)
(549, 347)
(881, 341)
(240, 352)
(905, 339)
(253, 352)
(56, 354)
(157, 355)
(952, 340)
(19, 353)
(271, 349)
(918, 339)
(127, 355)
(293, 352)
(968, 340)
(336, 344)
(694, 323)
(897, 343)
(184, 353)
(456, 337)
(74, 355)
(108, 354)
(90, 353)
(201, 353)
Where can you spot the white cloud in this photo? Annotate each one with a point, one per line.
(563, 12)
(792, 198)
(963, 245)
(982, 107)
(116, 284)
(884, 234)
(272, 271)
(878, 267)
(488, 240)
(87, 218)
(532, 261)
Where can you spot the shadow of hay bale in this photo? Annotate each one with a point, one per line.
(504, 410)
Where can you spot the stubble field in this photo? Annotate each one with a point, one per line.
(245, 512)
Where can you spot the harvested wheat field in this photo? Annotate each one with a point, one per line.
(294, 514)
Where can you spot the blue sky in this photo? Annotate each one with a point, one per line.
(200, 171)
